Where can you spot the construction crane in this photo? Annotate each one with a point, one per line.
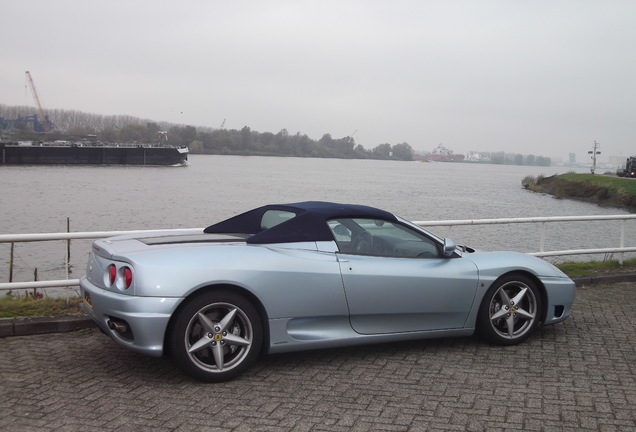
(43, 120)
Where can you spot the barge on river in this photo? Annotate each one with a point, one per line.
(90, 153)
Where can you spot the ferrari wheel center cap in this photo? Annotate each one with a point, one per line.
(218, 337)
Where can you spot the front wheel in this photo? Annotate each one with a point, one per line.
(216, 336)
(510, 310)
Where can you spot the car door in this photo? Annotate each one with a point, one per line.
(403, 283)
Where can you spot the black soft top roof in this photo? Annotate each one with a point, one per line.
(309, 224)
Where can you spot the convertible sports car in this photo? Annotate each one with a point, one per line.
(309, 275)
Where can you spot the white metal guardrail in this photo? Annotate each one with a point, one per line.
(543, 221)
(89, 235)
(621, 249)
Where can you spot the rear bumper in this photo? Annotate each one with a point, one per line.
(144, 319)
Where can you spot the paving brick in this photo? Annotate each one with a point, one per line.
(578, 375)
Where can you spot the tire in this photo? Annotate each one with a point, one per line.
(510, 310)
(216, 336)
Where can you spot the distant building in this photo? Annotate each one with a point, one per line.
(476, 157)
(617, 160)
(441, 153)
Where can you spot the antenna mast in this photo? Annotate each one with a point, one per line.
(594, 152)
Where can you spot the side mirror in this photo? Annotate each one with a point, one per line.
(449, 247)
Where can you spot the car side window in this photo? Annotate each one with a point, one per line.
(381, 238)
(271, 218)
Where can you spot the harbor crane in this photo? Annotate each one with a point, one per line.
(43, 120)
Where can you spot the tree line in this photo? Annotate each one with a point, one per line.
(502, 158)
(76, 125)
(248, 142)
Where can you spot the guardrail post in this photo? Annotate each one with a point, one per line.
(11, 262)
(542, 239)
(621, 258)
(68, 248)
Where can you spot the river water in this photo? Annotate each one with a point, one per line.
(211, 188)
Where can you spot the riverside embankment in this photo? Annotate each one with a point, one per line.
(604, 190)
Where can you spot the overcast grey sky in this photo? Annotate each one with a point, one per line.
(540, 77)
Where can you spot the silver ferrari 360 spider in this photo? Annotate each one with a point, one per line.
(309, 275)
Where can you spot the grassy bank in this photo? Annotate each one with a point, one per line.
(604, 190)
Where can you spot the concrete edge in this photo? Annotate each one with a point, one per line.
(35, 326)
(606, 279)
(43, 325)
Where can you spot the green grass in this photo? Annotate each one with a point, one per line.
(622, 185)
(13, 307)
(604, 190)
(577, 269)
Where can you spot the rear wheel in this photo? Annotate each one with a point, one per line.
(510, 310)
(216, 336)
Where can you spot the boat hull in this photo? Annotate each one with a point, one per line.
(92, 155)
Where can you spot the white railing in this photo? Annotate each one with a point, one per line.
(621, 249)
(543, 221)
(89, 235)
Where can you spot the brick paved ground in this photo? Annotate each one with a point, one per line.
(579, 375)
